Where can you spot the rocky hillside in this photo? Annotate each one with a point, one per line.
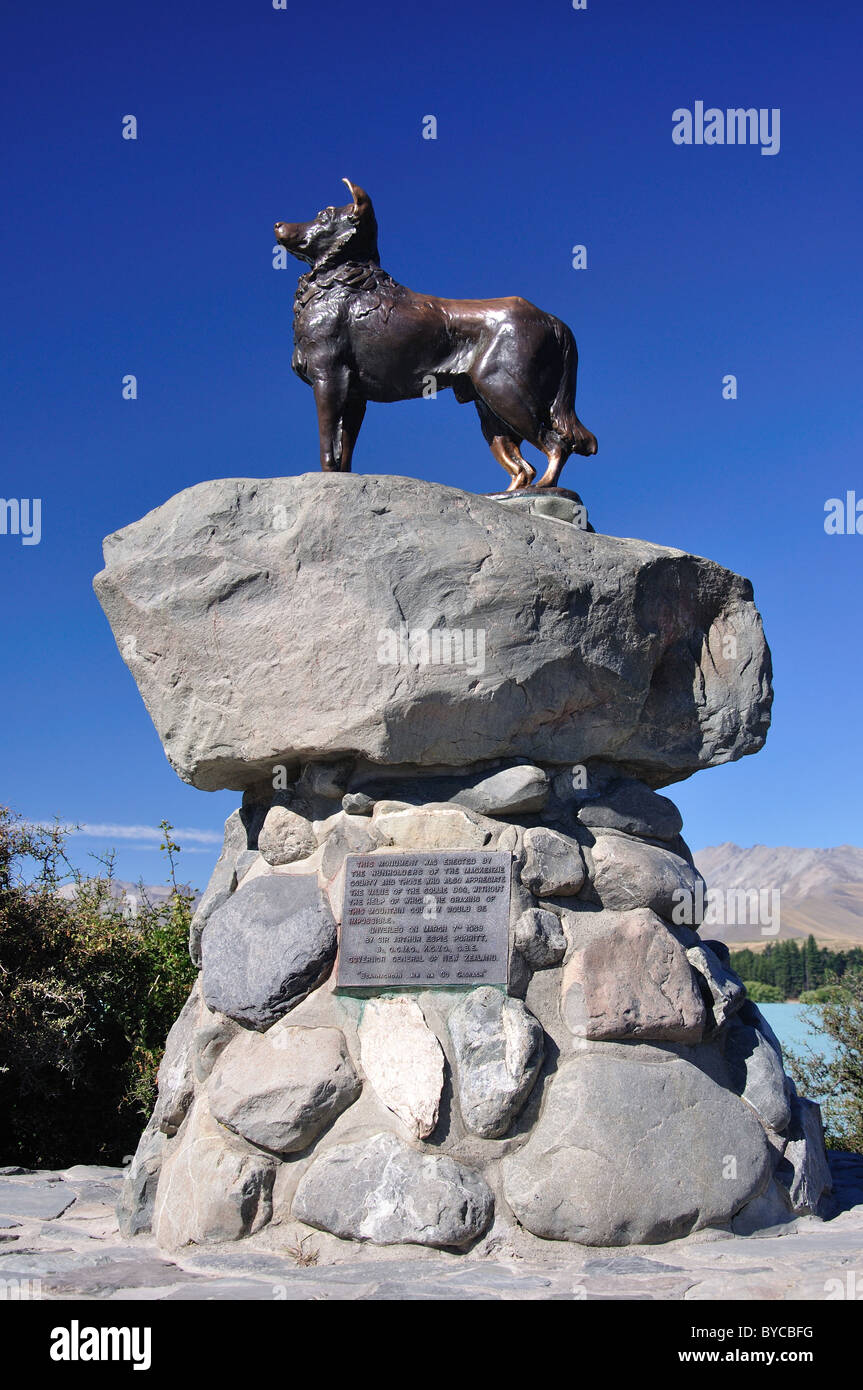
(820, 891)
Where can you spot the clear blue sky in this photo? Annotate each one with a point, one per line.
(153, 257)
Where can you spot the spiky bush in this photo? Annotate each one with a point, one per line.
(87, 995)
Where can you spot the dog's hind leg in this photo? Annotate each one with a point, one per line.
(557, 455)
(505, 447)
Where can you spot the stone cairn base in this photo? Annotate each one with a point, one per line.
(621, 1090)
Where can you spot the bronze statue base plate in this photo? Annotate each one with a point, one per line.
(559, 503)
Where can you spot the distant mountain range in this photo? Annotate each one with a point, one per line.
(820, 891)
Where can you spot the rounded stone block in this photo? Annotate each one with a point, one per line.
(266, 948)
(553, 866)
(285, 837)
(281, 1088)
(381, 1190)
(212, 1186)
(629, 873)
(629, 978)
(499, 1048)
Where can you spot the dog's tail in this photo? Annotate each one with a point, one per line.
(563, 417)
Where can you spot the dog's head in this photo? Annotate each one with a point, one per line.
(336, 234)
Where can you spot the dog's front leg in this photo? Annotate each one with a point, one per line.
(337, 424)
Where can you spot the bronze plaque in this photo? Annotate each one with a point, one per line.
(411, 920)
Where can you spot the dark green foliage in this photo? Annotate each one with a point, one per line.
(760, 993)
(87, 996)
(792, 969)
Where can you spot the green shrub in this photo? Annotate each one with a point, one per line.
(87, 996)
(836, 1079)
(761, 993)
(821, 995)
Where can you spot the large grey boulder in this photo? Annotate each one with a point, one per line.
(635, 1146)
(381, 1190)
(280, 1089)
(572, 645)
(499, 1048)
(266, 948)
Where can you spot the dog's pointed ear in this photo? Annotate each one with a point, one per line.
(362, 201)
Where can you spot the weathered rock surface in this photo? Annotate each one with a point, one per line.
(138, 1194)
(726, 992)
(553, 866)
(271, 943)
(755, 1071)
(770, 1211)
(628, 977)
(210, 1040)
(281, 1088)
(219, 597)
(617, 1157)
(383, 1191)
(285, 837)
(629, 873)
(430, 827)
(540, 939)
(403, 1061)
(803, 1168)
(176, 1075)
(515, 790)
(630, 806)
(212, 1186)
(499, 1048)
(222, 882)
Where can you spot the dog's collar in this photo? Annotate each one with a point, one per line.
(353, 275)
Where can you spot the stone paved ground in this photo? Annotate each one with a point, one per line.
(59, 1229)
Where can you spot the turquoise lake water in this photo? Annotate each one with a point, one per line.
(788, 1022)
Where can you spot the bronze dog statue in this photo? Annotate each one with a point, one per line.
(359, 336)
